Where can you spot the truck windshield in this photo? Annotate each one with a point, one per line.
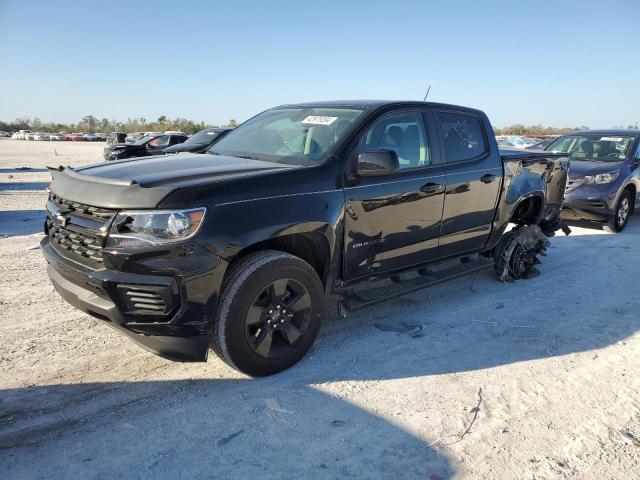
(601, 148)
(299, 136)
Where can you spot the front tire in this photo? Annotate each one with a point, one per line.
(269, 313)
(621, 214)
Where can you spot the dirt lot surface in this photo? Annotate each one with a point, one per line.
(471, 379)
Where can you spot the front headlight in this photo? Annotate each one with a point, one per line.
(132, 229)
(601, 178)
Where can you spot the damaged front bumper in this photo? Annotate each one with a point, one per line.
(166, 315)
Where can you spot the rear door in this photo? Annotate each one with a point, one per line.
(392, 221)
(473, 178)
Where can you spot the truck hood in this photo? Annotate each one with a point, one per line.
(144, 182)
(581, 168)
(177, 170)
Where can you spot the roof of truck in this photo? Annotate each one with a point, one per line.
(373, 104)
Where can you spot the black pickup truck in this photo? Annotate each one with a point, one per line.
(301, 209)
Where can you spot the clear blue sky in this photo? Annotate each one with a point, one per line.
(559, 63)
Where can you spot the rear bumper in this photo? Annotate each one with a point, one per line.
(181, 332)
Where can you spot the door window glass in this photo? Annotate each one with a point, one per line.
(463, 137)
(158, 142)
(402, 132)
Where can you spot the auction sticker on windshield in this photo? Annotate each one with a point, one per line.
(611, 139)
(319, 120)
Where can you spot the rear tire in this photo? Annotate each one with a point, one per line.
(621, 214)
(269, 314)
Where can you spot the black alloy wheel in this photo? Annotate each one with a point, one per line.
(278, 318)
(269, 313)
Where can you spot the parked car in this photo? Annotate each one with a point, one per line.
(4, 134)
(21, 134)
(539, 145)
(89, 137)
(116, 137)
(133, 137)
(301, 203)
(145, 146)
(604, 179)
(30, 136)
(515, 141)
(41, 136)
(74, 137)
(57, 137)
(200, 142)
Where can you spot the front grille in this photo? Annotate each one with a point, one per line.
(81, 210)
(74, 229)
(81, 244)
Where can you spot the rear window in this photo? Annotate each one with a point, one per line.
(463, 136)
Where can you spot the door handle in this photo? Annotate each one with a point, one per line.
(488, 178)
(431, 187)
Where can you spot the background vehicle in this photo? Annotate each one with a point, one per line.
(41, 136)
(539, 145)
(199, 142)
(30, 136)
(56, 137)
(357, 201)
(515, 141)
(134, 137)
(5, 134)
(604, 176)
(20, 134)
(145, 146)
(74, 137)
(116, 137)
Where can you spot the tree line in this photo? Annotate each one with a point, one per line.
(539, 130)
(91, 124)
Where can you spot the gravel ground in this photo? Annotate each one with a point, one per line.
(471, 379)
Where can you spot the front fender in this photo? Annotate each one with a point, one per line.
(234, 226)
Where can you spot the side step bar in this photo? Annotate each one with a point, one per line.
(387, 289)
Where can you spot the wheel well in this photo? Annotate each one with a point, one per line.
(528, 211)
(313, 248)
(631, 188)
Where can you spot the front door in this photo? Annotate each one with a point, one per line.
(393, 221)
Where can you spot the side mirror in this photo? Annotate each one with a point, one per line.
(376, 162)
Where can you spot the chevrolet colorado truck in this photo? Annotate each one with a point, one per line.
(302, 208)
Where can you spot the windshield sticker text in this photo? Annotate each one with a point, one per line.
(319, 120)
